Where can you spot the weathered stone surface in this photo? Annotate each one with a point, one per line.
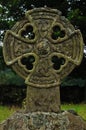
(43, 100)
(44, 121)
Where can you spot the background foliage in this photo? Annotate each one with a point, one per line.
(12, 11)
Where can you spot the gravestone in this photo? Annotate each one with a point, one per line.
(43, 48)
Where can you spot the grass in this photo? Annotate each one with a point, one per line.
(5, 111)
(79, 108)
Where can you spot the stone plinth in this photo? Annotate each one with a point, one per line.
(44, 121)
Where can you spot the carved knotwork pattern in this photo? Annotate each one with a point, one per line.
(43, 34)
(21, 48)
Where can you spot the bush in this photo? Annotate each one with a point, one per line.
(12, 95)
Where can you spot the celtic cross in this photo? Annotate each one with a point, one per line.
(43, 48)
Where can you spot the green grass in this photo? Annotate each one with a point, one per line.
(79, 108)
(5, 111)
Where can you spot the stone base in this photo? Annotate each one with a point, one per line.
(44, 121)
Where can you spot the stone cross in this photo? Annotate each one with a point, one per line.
(43, 48)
